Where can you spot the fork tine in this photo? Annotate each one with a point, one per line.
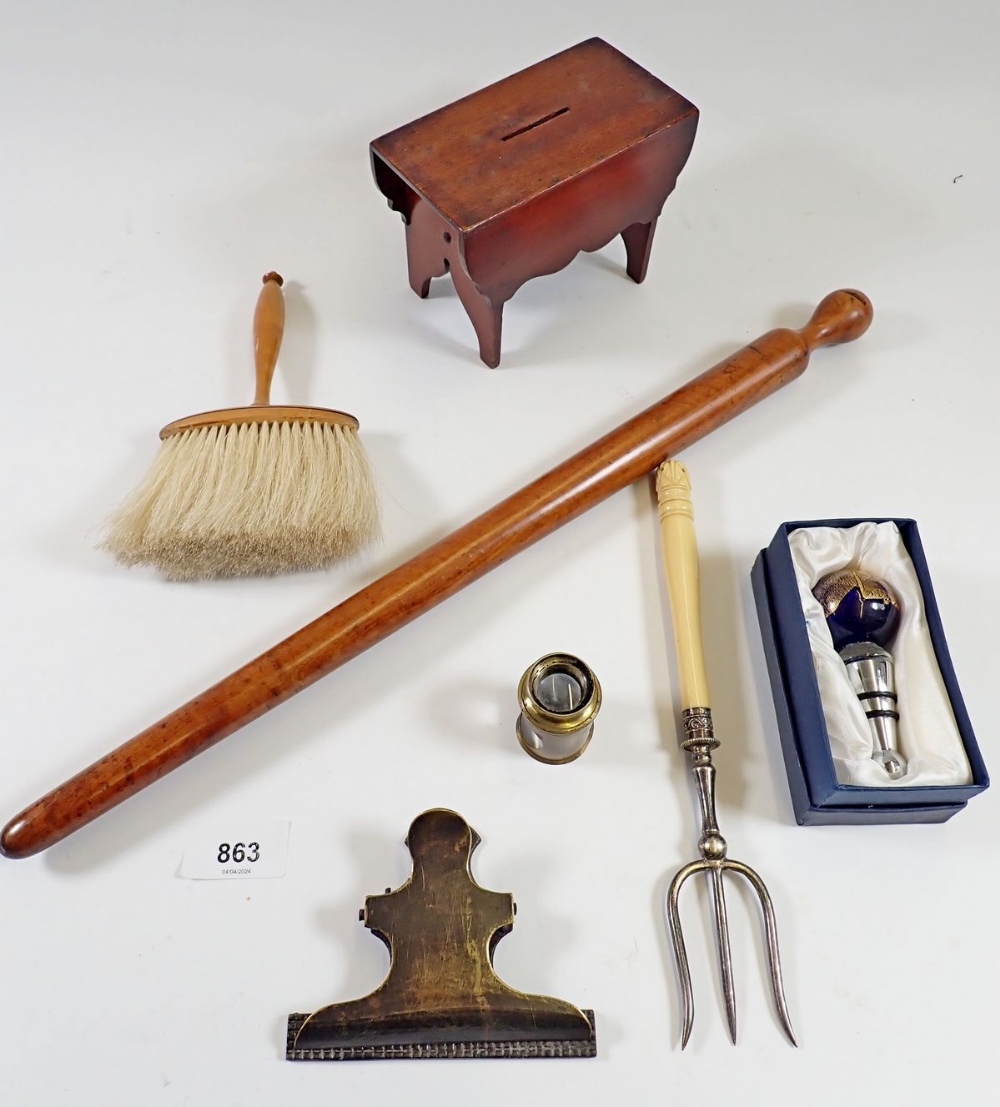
(680, 951)
(722, 942)
(771, 941)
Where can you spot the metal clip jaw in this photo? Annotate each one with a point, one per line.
(442, 996)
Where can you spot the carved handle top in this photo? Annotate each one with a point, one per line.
(673, 490)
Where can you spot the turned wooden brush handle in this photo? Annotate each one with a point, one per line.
(680, 563)
(624, 455)
(268, 329)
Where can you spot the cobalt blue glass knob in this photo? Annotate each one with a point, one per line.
(858, 608)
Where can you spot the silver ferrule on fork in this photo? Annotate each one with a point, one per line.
(699, 741)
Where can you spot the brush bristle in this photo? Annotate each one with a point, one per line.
(265, 498)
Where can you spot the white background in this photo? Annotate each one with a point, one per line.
(157, 159)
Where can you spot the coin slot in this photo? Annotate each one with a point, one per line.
(537, 123)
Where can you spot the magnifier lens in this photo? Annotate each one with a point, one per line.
(560, 692)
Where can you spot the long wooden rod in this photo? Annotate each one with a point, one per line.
(624, 455)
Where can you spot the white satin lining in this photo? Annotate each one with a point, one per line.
(928, 734)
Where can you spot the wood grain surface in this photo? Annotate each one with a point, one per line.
(624, 455)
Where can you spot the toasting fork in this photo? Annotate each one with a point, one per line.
(680, 559)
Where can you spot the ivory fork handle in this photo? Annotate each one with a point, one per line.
(680, 562)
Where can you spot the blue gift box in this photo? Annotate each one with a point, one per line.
(818, 798)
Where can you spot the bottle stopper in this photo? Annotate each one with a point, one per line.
(862, 614)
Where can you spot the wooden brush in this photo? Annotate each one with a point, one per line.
(251, 490)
